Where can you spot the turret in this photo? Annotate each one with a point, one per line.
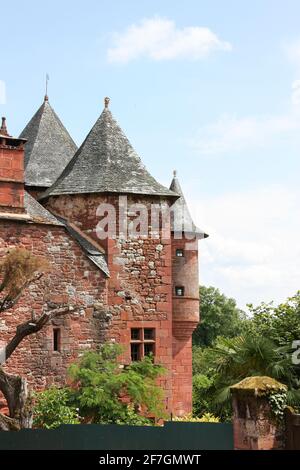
(185, 297)
(185, 236)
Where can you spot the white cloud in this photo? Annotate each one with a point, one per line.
(296, 93)
(253, 252)
(230, 133)
(159, 39)
(292, 50)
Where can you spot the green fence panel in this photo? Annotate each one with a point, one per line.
(172, 436)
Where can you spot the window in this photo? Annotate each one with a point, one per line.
(148, 333)
(135, 333)
(179, 253)
(56, 339)
(148, 349)
(135, 351)
(142, 343)
(179, 291)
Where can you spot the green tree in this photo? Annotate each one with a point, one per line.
(250, 355)
(52, 408)
(106, 392)
(202, 386)
(279, 323)
(219, 316)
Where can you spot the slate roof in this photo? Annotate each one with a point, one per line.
(49, 147)
(91, 251)
(106, 162)
(37, 213)
(181, 219)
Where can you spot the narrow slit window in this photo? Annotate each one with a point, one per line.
(56, 339)
(179, 291)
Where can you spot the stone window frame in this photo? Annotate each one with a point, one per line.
(56, 339)
(139, 342)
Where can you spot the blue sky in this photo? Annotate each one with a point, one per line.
(210, 88)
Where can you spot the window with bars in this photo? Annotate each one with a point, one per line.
(142, 343)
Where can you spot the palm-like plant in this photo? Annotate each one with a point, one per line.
(250, 355)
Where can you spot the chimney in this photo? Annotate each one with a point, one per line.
(11, 172)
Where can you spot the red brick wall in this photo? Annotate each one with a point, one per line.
(11, 179)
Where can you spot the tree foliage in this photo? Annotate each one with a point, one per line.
(219, 316)
(106, 392)
(279, 323)
(264, 347)
(18, 269)
(52, 408)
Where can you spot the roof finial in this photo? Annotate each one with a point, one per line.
(46, 94)
(3, 129)
(174, 173)
(106, 101)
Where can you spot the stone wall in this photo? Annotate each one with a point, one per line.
(73, 278)
(140, 286)
(255, 426)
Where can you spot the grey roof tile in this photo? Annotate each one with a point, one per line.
(106, 162)
(49, 147)
(94, 254)
(37, 212)
(181, 219)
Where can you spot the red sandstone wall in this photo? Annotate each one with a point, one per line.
(140, 286)
(185, 320)
(73, 279)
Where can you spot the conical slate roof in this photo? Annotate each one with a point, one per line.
(49, 147)
(106, 162)
(181, 219)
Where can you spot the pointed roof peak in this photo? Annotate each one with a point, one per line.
(182, 221)
(107, 162)
(3, 129)
(49, 147)
(175, 185)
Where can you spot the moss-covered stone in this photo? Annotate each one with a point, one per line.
(258, 385)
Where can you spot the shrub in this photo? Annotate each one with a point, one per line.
(106, 392)
(52, 408)
(205, 418)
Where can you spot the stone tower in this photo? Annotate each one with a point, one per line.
(185, 297)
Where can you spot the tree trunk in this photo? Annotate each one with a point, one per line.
(14, 389)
